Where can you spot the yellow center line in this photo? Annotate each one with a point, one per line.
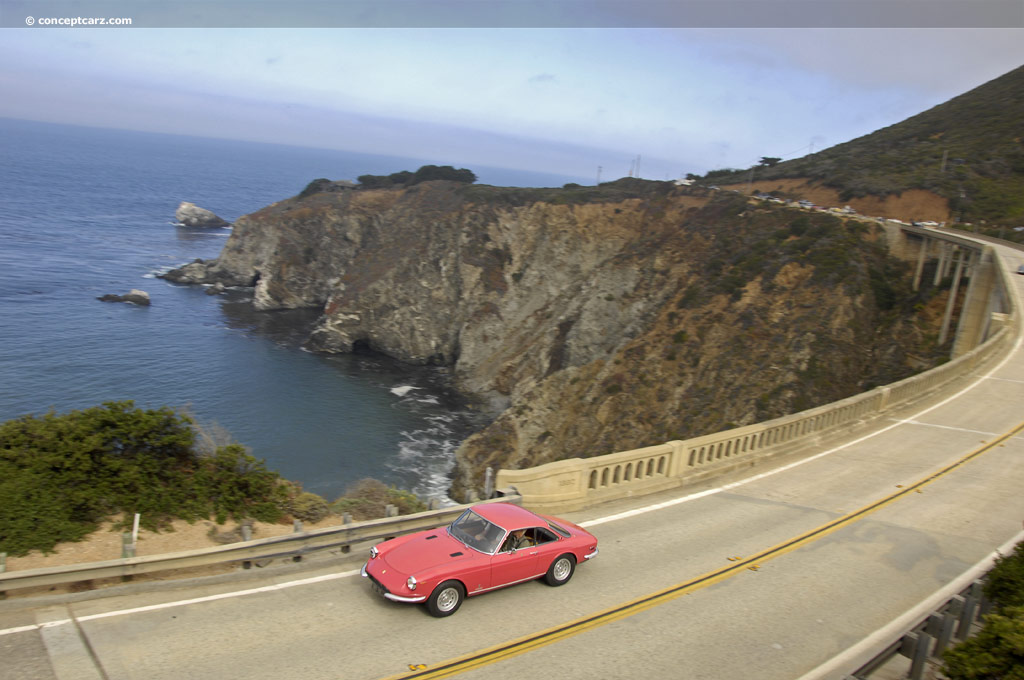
(533, 641)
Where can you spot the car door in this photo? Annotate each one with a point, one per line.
(513, 565)
(548, 547)
(527, 562)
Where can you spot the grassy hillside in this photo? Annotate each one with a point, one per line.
(969, 150)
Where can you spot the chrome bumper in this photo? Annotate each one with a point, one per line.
(383, 591)
(591, 555)
(399, 598)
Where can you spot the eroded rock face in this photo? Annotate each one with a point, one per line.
(585, 327)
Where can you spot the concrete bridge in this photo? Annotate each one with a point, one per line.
(789, 549)
(986, 328)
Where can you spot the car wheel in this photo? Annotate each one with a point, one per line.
(446, 598)
(560, 570)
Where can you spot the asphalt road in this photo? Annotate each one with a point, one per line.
(830, 549)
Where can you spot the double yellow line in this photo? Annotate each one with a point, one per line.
(536, 640)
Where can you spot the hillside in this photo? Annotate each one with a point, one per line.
(588, 320)
(968, 151)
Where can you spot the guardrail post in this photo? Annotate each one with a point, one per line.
(297, 526)
(920, 657)
(489, 483)
(945, 633)
(963, 631)
(346, 518)
(3, 562)
(246, 532)
(127, 547)
(390, 510)
(433, 504)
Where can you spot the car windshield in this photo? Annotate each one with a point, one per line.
(477, 532)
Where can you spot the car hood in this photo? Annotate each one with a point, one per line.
(427, 551)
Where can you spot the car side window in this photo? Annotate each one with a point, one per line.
(541, 535)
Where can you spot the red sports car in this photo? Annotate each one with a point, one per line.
(489, 546)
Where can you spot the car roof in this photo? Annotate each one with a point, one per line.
(507, 516)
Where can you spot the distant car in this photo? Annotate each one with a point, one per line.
(489, 546)
(1020, 269)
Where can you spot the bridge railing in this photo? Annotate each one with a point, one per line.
(295, 546)
(572, 484)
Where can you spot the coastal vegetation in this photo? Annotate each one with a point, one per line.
(968, 150)
(425, 174)
(997, 651)
(62, 475)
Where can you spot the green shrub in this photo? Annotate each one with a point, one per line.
(426, 173)
(315, 187)
(232, 483)
(367, 499)
(995, 653)
(308, 507)
(1005, 583)
(61, 475)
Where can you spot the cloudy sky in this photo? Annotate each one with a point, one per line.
(552, 99)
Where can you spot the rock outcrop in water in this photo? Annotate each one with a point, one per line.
(134, 296)
(191, 215)
(588, 320)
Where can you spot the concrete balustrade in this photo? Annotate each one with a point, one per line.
(568, 485)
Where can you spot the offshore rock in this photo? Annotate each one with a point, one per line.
(191, 215)
(587, 320)
(134, 296)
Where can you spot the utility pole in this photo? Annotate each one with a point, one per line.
(598, 176)
(945, 154)
(638, 166)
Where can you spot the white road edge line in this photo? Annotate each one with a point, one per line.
(590, 523)
(182, 603)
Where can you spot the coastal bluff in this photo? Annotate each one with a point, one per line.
(587, 320)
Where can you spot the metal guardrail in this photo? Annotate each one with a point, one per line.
(294, 545)
(921, 634)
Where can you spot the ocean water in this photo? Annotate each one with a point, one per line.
(85, 212)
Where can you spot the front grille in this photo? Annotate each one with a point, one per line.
(377, 586)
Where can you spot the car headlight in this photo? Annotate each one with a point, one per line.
(373, 553)
(411, 583)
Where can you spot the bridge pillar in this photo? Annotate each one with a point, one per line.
(943, 264)
(979, 304)
(953, 291)
(922, 255)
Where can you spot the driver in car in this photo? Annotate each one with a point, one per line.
(518, 539)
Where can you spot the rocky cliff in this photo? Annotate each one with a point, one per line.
(589, 320)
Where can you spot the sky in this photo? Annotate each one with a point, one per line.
(658, 101)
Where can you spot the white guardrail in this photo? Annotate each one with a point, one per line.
(294, 545)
